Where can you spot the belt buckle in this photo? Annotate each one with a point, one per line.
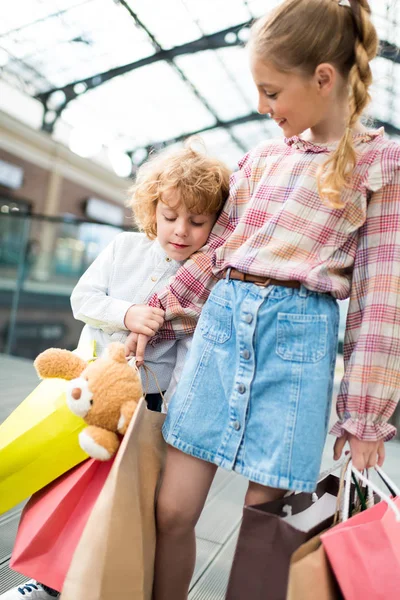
(263, 283)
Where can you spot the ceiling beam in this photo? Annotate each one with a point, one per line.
(214, 41)
(253, 116)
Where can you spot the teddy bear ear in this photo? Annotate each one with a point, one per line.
(55, 362)
(116, 351)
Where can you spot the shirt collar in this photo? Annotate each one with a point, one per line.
(162, 255)
(306, 146)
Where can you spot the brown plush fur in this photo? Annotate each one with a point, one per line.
(57, 363)
(115, 389)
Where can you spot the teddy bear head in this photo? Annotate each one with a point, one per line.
(96, 390)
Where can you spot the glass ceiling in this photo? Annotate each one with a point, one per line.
(113, 78)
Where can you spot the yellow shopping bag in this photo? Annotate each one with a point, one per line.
(38, 443)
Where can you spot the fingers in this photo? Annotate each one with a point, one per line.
(359, 460)
(141, 348)
(338, 447)
(139, 316)
(365, 454)
(130, 344)
(149, 328)
(381, 453)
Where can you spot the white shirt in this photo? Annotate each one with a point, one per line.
(128, 272)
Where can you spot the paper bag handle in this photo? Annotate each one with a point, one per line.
(370, 484)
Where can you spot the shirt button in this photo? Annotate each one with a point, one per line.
(236, 425)
(168, 259)
(246, 354)
(248, 318)
(154, 278)
(241, 388)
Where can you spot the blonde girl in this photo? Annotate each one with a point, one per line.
(312, 217)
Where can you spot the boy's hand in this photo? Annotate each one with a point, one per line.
(135, 345)
(130, 344)
(142, 342)
(144, 319)
(363, 454)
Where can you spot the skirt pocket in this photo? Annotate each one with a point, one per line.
(216, 320)
(302, 338)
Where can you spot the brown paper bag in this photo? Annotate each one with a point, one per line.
(310, 575)
(115, 555)
(267, 541)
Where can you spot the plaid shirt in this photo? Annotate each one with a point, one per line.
(275, 225)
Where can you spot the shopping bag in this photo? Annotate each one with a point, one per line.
(53, 520)
(38, 443)
(364, 551)
(115, 555)
(310, 574)
(269, 535)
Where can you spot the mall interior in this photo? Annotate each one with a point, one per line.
(89, 89)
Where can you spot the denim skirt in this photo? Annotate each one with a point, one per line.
(256, 390)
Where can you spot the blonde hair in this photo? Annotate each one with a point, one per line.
(301, 34)
(201, 183)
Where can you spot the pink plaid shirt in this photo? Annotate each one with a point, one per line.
(275, 225)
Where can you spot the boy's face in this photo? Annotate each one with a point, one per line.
(179, 232)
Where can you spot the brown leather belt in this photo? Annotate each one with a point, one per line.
(258, 280)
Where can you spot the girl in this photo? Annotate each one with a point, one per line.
(175, 201)
(311, 218)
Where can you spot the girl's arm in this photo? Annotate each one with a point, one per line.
(183, 299)
(90, 301)
(370, 388)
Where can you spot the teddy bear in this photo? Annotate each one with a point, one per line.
(104, 392)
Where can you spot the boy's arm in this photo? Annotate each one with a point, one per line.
(184, 297)
(90, 301)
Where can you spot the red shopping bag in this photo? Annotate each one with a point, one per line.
(364, 553)
(53, 521)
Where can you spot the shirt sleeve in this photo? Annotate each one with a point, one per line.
(370, 388)
(186, 293)
(90, 301)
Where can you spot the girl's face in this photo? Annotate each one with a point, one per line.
(179, 232)
(294, 102)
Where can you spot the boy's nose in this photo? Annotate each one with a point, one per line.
(181, 230)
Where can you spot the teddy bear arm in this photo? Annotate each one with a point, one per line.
(127, 410)
(55, 362)
(98, 442)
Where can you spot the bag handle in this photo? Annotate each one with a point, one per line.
(392, 487)
(132, 363)
(147, 370)
(350, 470)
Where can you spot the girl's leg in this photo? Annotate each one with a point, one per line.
(258, 494)
(183, 492)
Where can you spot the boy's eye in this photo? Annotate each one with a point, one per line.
(197, 224)
(169, 218)
(271, 96)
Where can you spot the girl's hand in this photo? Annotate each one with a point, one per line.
(141, 318)
(363, 454)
